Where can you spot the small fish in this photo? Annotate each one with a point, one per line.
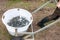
(16, 22)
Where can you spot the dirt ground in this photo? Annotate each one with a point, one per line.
(52, 33)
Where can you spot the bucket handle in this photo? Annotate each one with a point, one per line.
(31, 18)
(3, 17)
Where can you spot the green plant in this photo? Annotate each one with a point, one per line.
(14, 0)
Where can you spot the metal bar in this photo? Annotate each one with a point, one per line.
(32, 31)
(47, 26)
(26, 33)
(55, 1)
(40, 7)
(27, 36)
(31, 34)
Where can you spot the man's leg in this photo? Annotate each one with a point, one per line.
(54, 16)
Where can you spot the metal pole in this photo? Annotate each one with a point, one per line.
(47, 26)
(55, 1)
(32, 31)
(30, 34)
(40, 7)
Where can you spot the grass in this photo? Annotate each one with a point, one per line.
(5, 34)
(27, 4)
(11, 2)
(24, 4)
(20, 3)
(52, 5)
(15, 0)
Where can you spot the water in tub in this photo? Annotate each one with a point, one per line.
(18, 22)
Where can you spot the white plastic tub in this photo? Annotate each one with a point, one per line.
(13, 13)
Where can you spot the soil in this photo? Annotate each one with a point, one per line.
(52, 33)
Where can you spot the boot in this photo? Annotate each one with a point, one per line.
(41, 23)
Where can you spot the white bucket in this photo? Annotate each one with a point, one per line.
(13, 13)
